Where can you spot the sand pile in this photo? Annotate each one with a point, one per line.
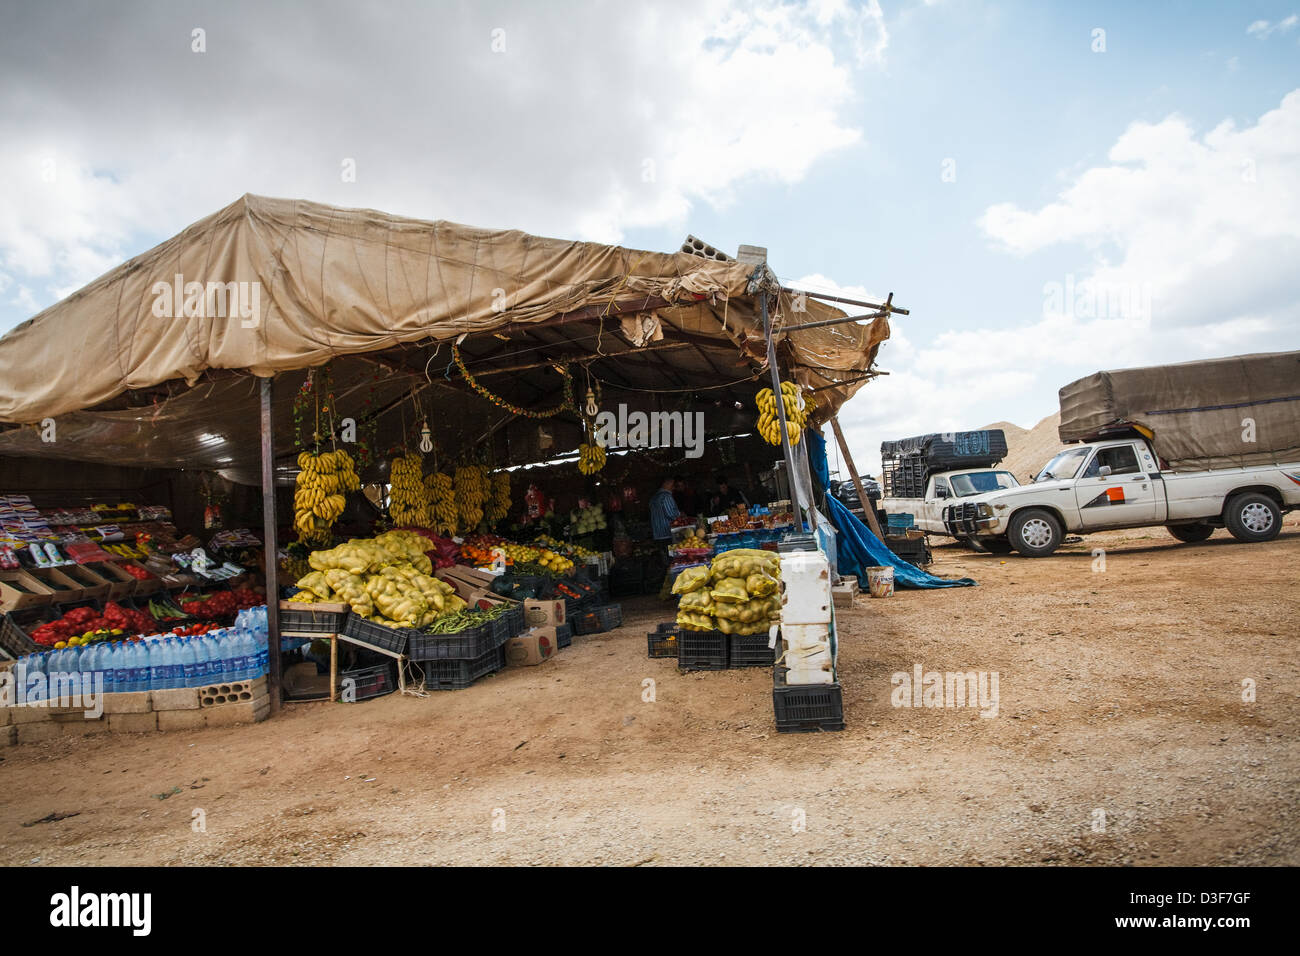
(1028, 450)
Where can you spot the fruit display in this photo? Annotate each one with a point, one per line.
(386, 579)
(85, 625)
(409, 497)
(443, 493)
(591, 458)
(472, 491)
(769, 421)
(221, 604)
(499, 504)
(691, 540)
(738, 593)
(124, 550)
(588, 519)
(323, 481)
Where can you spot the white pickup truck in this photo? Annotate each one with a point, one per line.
(1119, 483)
(940, 491)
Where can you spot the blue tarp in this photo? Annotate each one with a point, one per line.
(856, 547)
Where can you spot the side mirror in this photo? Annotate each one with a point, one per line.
(941, 492)
(1104, 471)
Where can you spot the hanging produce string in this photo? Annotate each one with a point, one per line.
(567, 402)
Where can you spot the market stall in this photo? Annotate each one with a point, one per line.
(386, 380)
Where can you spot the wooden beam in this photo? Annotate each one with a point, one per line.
(270, 549)
(867, 507)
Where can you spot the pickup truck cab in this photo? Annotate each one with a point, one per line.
(1120, 484)
(942, 488)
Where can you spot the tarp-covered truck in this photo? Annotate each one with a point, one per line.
(923, 475)
(1195, 447)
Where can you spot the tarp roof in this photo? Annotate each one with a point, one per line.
(129, 368)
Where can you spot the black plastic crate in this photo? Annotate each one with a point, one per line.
(466, 645)
(16, 627)
(750, 650)
(597, 620)
(457, 675)
(507, 625)
(378, 635)
(367, 682)
(312, 621)
(563, 636)
(664, 640)
(701, 650)
(804, 708)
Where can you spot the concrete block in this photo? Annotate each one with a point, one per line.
(138, 702)
(133, 723)
(179, 698)
(231, 692)
(244, 712)
(8, 736)
(180, 719)
(6, 716)
(35, 733)
(31, 715)
(80, 728)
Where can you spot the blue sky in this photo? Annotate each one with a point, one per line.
(1167, 164)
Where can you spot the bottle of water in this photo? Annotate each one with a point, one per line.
(121, 668)
(36, 673)
(189, 665)
(210, 644)
(168, 651)
(228, 654)
(254, 654)
(157, 665)
(92, 665)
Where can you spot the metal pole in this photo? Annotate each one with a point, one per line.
(796, 498)
(269, 540)
(887, 304)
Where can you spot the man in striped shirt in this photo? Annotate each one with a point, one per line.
(663, 509)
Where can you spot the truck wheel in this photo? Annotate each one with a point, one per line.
(1190, 533)
(1253, 517)
(1035, 533)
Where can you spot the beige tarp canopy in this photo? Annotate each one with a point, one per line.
(142, 361)
(1214, 413)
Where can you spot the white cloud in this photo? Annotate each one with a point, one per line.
(592, 122)
(1263, 28)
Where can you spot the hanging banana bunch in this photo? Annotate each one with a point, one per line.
(769, 421)
(443, 495)
(472, 491)
(500, 503)
(408, 497)
(318, 497)
(591, 458)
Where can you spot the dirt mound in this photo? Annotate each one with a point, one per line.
(1029, 450)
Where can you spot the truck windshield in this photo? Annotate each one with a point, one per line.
(1064, 465)
(978, 482)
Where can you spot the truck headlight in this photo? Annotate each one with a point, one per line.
(984, 510)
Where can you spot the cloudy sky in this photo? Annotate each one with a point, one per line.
(1050, 188)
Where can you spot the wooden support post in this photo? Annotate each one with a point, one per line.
(867, 507)
(273, 678)
(334, 668)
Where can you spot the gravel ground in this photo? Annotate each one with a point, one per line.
(1121, 737)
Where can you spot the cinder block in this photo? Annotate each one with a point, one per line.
(137, 702)
(231, 692)
(133, 723)
(244, 712)
(178, 698)
(35, 733)
(80, 728)
(70, 716)
(8, 736)
(180, 719)
(31, 715)
(6, 716)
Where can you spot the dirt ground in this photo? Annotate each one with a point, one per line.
(1121, 737)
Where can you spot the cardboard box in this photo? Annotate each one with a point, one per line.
(485, 600)
(63, 588)
(20, 589)
(532, 647)
(542, 613)
(120, 584)
(91, 584)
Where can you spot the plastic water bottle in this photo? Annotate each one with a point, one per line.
(91, 668)
(121, 668)
(229, 654)
(157, 665)
(171, 663)
(211, 650)
(189, 664)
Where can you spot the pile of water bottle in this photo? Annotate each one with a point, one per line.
(158, 662)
